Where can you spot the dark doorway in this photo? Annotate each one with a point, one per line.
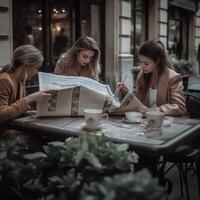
(178, 32)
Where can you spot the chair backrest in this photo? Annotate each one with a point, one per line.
(193, 104)
(185, 79)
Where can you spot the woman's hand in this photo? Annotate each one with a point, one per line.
(121, 88)
(37, 96)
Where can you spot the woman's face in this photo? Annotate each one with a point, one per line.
(85, 57)
(31, 71)
(147, 64)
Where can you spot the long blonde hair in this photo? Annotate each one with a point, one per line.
(25, 55)
(84, 43)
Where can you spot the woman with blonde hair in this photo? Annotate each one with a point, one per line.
(82, 59)
(26, 61)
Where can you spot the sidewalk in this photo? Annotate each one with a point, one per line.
(194, 80)
(194, 83)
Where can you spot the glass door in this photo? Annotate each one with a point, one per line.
(62, 27)
(27, 23)
(54, 25)
(178, 32)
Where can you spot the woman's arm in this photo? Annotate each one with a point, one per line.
(176, 105)
(10, 111)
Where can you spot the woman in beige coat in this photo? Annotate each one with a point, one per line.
(157, 86)
(82, 59)
(25, 63)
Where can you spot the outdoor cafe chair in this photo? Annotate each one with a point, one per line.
(185, 157)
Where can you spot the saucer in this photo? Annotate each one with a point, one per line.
(132, 122)
(92, 128)
(168, 121)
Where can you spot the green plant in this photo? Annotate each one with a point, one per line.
(63, 169)
(182, 66)
(82, 160)
(138, 186)
(14, 173)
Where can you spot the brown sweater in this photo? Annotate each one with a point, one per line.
(62, 69)
(11, 104)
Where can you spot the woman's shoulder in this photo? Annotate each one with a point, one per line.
(172, 74)
(5, 76)
(63, 60)
(63, 57)
(6, 81)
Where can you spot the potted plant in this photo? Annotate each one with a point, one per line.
(184, 68)
(69, 169)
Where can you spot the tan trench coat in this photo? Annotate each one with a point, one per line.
(170, 96)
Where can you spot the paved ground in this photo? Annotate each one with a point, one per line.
(173, 175)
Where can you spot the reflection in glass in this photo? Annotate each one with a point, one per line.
(27, 23)
(61, 28)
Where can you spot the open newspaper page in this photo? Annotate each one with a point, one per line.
(70, 95)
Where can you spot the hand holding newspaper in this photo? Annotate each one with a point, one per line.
(71, 95)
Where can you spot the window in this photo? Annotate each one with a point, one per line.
(178, 34)
(139, 26)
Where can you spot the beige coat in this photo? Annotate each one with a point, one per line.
(62, 69)
(11, 104)
(170, 96)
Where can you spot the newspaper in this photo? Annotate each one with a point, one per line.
(71, 95)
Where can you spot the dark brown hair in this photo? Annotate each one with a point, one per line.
(155, 50)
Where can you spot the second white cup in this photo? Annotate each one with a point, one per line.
(133, 116)
(93, 118)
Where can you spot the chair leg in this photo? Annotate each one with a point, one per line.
(197, 172)
(185, 180)
(180, 169)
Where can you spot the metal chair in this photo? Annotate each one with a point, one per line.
(185, 158)
(193, 103)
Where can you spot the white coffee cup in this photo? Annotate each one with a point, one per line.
(155, 118)
(94, 117)
(133, 116)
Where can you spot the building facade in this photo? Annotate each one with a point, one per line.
(118, 26)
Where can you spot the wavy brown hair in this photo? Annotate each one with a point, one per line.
(82, 44)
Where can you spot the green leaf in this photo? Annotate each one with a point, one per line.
(3, 155)
(93, 160)
(78, 158)
(122, 147)
(32, 156)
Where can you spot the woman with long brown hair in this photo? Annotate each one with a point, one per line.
(158, 87)
(82, 59)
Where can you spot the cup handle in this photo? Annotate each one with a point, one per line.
(140, 115)
(105, 116)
